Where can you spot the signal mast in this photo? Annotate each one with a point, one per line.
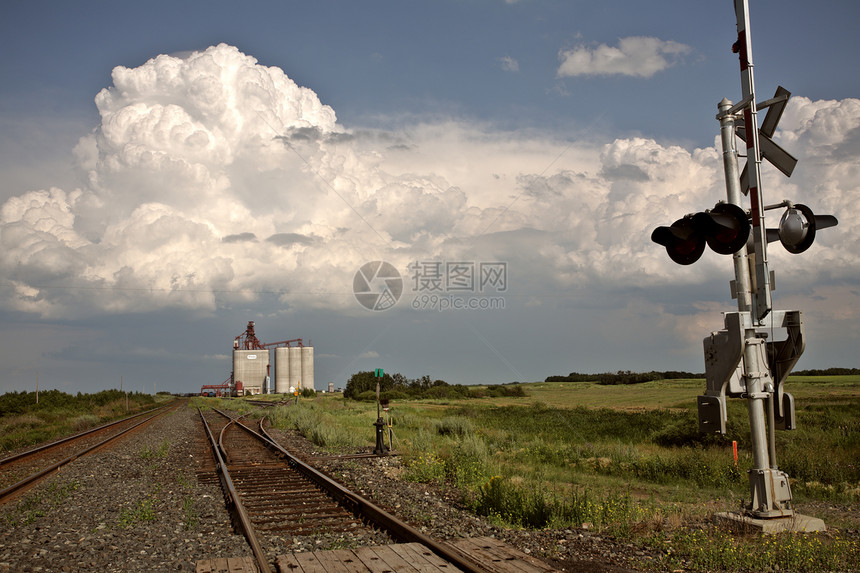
(740, 361)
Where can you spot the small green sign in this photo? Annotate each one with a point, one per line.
(378, 373)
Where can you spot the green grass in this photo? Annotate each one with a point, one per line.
(159, 453)
(335, 426)
(24, 422)
(629, 461)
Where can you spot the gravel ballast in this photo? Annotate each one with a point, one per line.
(138, 506)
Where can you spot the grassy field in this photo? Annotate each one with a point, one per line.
(26, 422)
(627, 459)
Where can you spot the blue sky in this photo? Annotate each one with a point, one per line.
(551, 136)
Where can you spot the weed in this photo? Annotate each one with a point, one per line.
(469, 463)
(36, 505)
(144, 510)
(714, 549)
(190, 513)
(183, 481)
(425, 468)
(530, 505)
(159, 453)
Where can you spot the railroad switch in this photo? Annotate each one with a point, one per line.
(381, 448)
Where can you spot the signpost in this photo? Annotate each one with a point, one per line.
(380, 449)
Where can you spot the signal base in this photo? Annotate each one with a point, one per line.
(746, 523)
(771, 494)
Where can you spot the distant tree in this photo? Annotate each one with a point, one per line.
(362, 386)
(398, 379)
(361, 382)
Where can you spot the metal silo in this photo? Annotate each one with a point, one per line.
(295, 379)
(282, 370)
(251, 367)
(308, 367)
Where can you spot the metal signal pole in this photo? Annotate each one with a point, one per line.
(743, 360)
(739, 360)
(743, 47)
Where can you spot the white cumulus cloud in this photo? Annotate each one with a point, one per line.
(212, 179)
(637, 56)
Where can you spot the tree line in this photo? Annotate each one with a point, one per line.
(20, 402)
(624, 377)
(628, 377)
(362, 386)
(828, 372)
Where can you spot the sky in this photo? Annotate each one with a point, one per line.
(463, 189)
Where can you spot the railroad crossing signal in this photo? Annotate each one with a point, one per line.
(797, 228)
(776, 155)
(725, 229)
(740, 360)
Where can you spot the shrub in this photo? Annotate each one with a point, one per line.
(426, 467)
(454, 426)
(470, 463)
(81, 423)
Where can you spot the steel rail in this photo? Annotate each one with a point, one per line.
(231, 493)
(6, 493)
(44, 447)
(362, 507)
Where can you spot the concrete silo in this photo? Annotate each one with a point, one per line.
(282, 370)
(251, 368)
(295, 379)
(308, 367)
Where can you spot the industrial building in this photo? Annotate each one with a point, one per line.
(294, 368)
(253, 367)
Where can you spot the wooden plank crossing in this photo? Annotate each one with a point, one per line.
(227, 565)
(499, 557)
(401, 557)
(492, 554)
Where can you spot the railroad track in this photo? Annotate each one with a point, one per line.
(272, 492)
(22, 471)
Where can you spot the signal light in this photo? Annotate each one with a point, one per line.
(725, 229)
(684, 243)
(797, 228)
